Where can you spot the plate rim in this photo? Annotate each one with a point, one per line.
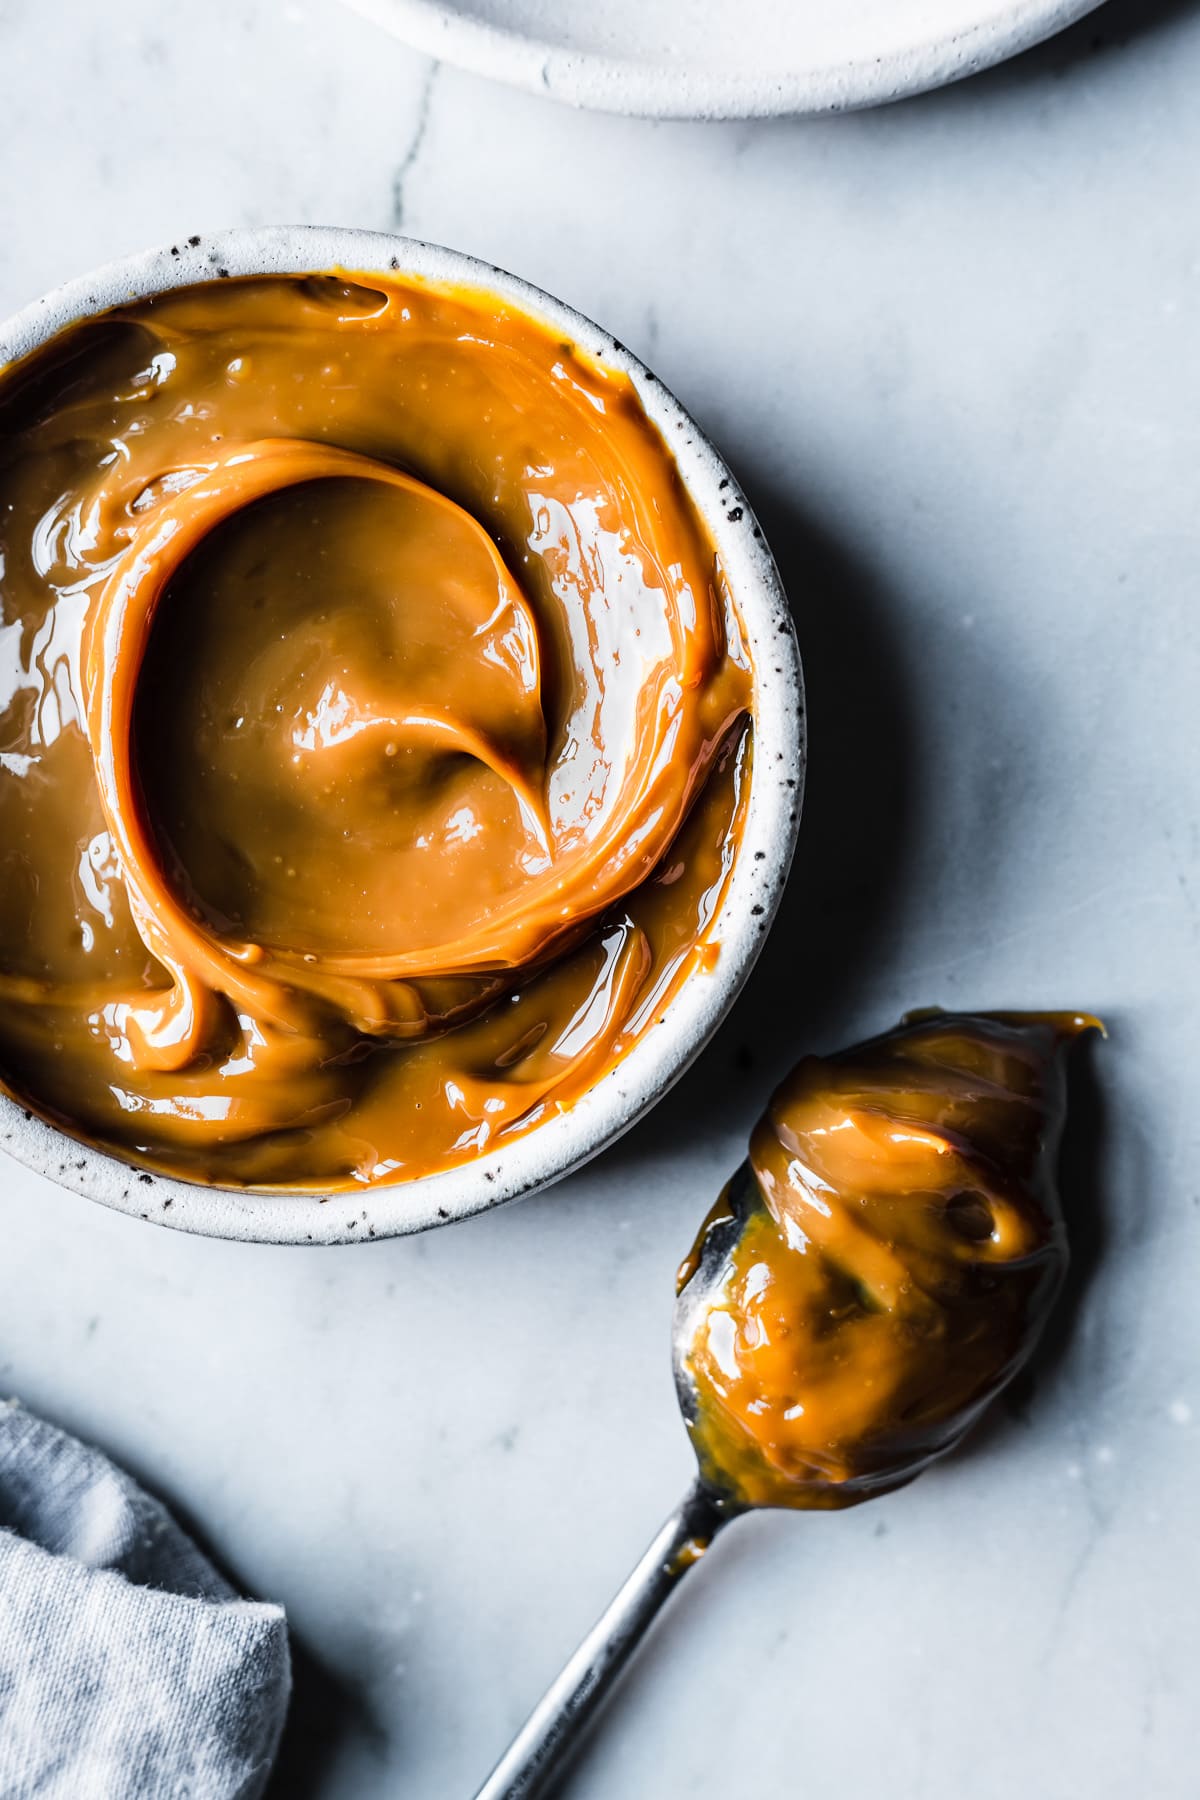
(652, 90)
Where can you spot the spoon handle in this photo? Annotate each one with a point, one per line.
(548, 1738)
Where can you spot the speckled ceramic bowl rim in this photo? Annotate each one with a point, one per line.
(683, 91)
(756, 882)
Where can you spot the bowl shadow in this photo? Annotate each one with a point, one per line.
(854, 847)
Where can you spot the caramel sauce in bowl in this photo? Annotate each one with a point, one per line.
(235, 1075)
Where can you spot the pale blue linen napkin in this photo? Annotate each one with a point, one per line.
(129, 1669)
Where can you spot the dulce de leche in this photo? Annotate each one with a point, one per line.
(374, 729)
(884, 1263)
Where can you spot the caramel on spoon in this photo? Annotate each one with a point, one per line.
(873, 1275)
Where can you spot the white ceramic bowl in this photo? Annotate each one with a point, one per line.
(756, 881)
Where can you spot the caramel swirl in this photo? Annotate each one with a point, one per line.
(887, 1260)
(373, 728)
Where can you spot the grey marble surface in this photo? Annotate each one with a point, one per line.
(953, 349)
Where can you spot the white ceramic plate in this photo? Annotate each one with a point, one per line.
(724, 58)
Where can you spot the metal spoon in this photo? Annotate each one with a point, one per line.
(545, 1743)
(986, 1096)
